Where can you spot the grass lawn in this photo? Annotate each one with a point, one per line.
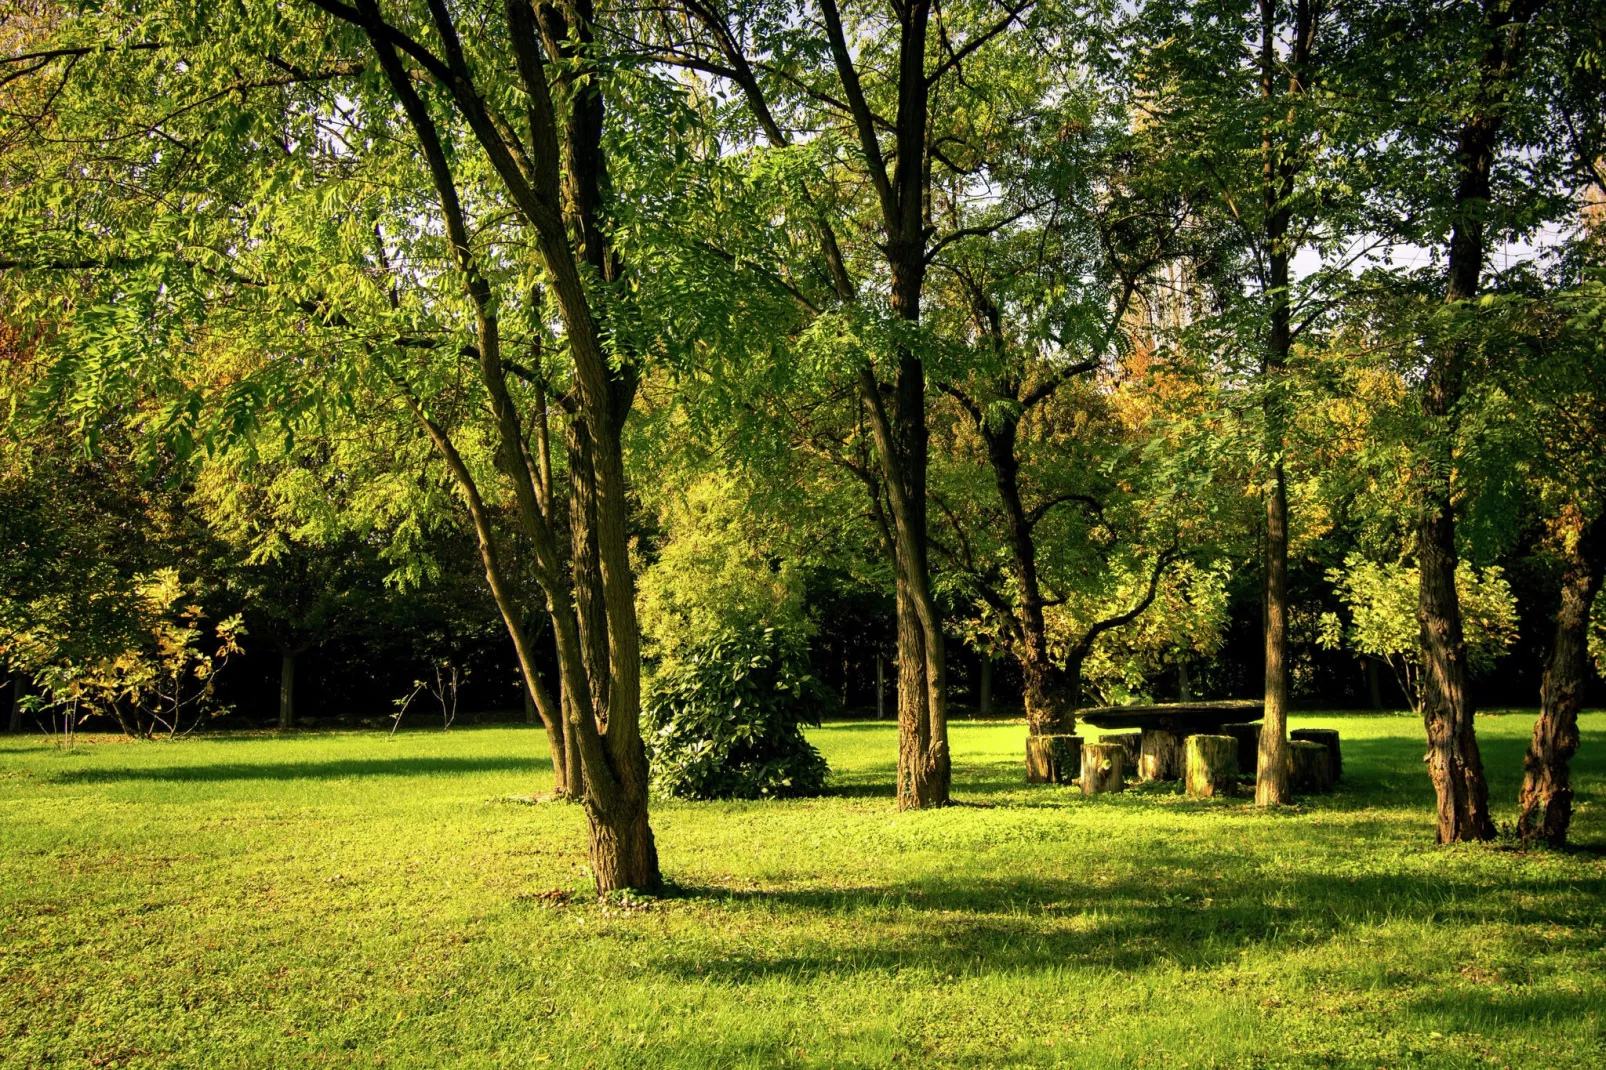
(351, 899)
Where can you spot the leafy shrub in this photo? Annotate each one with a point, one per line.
(724, 720)
(1382, 602)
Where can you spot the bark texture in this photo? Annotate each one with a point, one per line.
(287, 690)
(1161, 757)
(1454, 762)
(1103, 768)
(1279, 173)
(1545, 803)
(1310, 769)
(1212, 766)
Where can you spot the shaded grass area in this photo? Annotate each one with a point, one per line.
(352, 899)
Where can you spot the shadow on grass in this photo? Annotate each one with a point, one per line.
(1189, 919)
(335, 770)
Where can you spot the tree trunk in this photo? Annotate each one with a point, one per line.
(1279, 172)
(984, 700)
(15, 720)
(612, 760)
(1374, 682)
(1454, 762)
(623, 852)
(1546, 799)
(1212, 766)
(1271, 766)
(1050, 705)
(287, 690)
(880, 686)
(1184, 690)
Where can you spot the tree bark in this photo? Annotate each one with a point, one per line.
(1454, 762)
(1545, 802)
(1374, 682)
(1103, 768)
(287, 690)
(1279, 172)
(1160, 757)
(984, 699)
(1212, 766)
(607, 740)
(14, 724)
(1327, 737)
(1310, 769)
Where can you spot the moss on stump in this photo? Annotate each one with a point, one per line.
(1212, 766)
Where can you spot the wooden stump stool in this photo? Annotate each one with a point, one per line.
(1103, 768)
(1131, 742)
(1248, 737)
(1053, 759)
(1310, 770)
(1161, 757)
(1327, 737)
(1212, 766)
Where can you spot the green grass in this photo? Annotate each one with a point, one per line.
(350, 899)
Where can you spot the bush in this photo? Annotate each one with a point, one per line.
(724, 720)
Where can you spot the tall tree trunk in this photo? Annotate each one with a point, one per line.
(1271, 763)
(1374, 682)
(1454, 763)
(287, 690)
(1546, 799)
(15, 721)
(1279, 171)
(984, 700)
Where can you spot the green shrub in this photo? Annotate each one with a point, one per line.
(724, 720)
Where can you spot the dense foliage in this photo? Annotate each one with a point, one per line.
(725, 720)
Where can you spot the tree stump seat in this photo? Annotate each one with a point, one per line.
(1248, 739)
(1160, 755)
(1103, 768)
(1327, 737)
(1212, 766)
(1163, 727)
(1310, 769)
(1131, 743)
(1053, 759)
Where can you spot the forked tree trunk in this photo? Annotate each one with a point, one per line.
(1546, 800)
(287, 690)
(611, 757)
(1453, 760)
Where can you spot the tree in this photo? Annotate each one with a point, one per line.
(1381, 600)
(336, 276)
(872, 87)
